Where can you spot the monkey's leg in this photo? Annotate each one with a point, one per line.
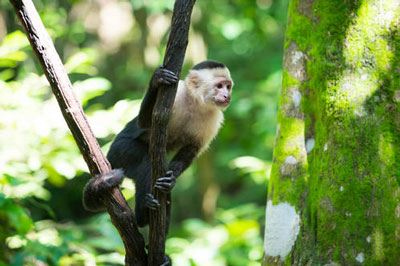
(169, 204)
(131, 154)
(138, 167)
(97, 186)
(144, 200)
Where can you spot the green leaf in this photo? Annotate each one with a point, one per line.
(19, 219)
(91, 88)
(13, 42)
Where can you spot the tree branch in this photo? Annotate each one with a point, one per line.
(121, 215)
(175, 53)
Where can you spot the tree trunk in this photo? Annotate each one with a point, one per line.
(334, 194)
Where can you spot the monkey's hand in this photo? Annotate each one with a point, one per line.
(166, 183)
(164, 76)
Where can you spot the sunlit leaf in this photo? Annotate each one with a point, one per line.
(242, 227)
(27, 190)
(248, 164)
(82, 62)
(13, 42)
(91, 88)
(114, 258)
(49, 236)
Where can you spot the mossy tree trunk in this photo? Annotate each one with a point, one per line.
(334, 194)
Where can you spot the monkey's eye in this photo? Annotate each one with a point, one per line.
(229, 87)
(219, 85)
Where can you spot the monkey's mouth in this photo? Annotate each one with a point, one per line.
(223, 104)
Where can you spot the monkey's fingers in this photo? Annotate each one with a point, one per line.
(171, 80)
(151, 202)
(165, 184)
(165, 71)
(169, 76)
(165, 188)
(168, 179)
(164, 81)
(169, 173)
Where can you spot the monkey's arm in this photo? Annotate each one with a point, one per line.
(161, 76)
(182, 160)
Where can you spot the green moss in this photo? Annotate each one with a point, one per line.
(290, 142)
(288, 81)
(386, 152)
(377, 239)
(300, 33)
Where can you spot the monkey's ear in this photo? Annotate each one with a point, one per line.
(193, 79)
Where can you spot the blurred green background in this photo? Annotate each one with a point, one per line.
(110, 49)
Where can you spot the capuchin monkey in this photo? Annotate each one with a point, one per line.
(195, 120)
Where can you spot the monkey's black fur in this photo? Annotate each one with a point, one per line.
(129, 151)
(98, 185)
(209, 64)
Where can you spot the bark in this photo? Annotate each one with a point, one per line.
(174, 55)
(120, 213)
(334, 194)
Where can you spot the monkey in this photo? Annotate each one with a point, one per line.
(197, 115)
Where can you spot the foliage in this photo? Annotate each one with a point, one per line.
(110, 49)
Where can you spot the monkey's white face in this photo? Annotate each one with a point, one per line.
(213, 87)
(222, 88)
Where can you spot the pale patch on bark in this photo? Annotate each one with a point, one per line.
(360, 257)
(290, 160)
(291, 107)
(294, 61)
(296, 97)
(310, 145)
(326, 147)
(281, 229)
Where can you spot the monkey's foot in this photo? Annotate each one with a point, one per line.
(151, 202)
(167, 183)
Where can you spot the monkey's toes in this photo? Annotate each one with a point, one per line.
(151, 202)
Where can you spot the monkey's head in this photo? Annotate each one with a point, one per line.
(211, 83)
